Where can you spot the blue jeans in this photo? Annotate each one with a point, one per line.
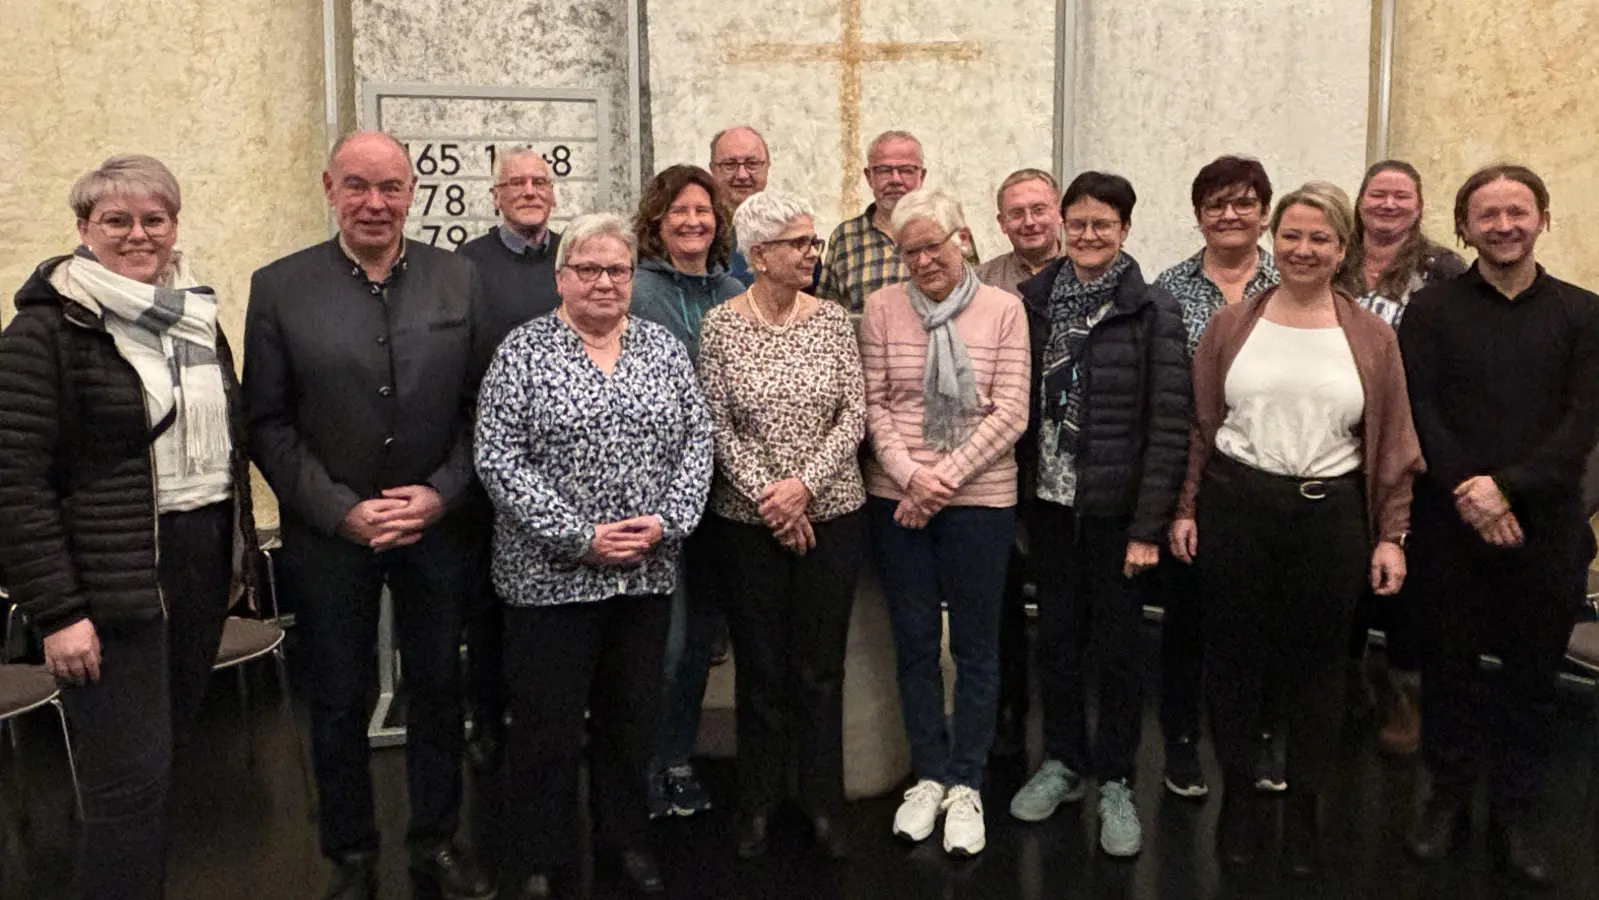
(958, 560)
(689, 636)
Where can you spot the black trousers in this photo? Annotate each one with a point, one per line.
(1399, 619)
(1182, 647)
(1014, 696)
(1519, 604)
(603, 657)
(1281, 574)
(1084, 599)
(338, 585)
(788, 617)
(131, 723)
(485, 659)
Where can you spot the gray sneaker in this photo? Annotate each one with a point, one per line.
(1119, 831)
(1052, 785)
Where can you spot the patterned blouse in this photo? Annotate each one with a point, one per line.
(786, 403)
(562, 447)
(1200, 297)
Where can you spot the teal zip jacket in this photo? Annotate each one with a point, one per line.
(678, 301)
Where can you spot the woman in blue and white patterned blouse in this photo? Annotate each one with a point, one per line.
(595, 446)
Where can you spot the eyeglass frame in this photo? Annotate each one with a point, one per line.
(1241, 206)
(610, 271)
(117, 234)
(905, 171)
(814, 242)
(533, 181)
(909, 254)
(731, 166)
(1097, 226)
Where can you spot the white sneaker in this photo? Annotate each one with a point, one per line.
(918, 815)
(964, 834)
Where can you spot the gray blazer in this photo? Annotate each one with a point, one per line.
(351, 387)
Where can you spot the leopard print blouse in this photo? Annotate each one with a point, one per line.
(784, 403)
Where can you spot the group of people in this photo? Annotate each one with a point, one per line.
(582, 448)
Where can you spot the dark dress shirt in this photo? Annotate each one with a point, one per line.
(1504, 387)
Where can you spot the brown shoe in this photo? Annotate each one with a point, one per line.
(1401, 728)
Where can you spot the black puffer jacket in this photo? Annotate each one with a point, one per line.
(1137, 401)
(77, 489)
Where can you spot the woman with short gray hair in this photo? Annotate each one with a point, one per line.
(946, 364)
(124, 503)
(782, 377)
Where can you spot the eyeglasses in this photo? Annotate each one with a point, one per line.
(901, 171)
(1241, 206)
(524, 182)
(1080, 227)
(914, 254)
(731, 166)
(120, 225)
(1017, 215)
(589, 274)
(798, 244)
(393, 189)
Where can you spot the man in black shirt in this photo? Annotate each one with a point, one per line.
(1503, 369)
(517, 262)
(361, 368)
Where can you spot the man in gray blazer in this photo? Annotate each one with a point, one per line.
(362, 361)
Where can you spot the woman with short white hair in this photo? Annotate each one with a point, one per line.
(946, 362)
(781, 374)
(594, 446)
(124, 503)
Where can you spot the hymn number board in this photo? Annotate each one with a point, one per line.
(453, 136)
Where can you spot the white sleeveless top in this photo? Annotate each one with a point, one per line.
(1294, 403)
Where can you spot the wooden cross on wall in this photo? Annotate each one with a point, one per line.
(851, 53)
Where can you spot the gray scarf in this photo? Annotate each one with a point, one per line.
(949, 387)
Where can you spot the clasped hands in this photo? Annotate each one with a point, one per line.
(926, 494)
(625, 542)
(1483, 506)
(782, 506)
(397, 518)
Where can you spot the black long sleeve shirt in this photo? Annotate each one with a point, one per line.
(1504, 387)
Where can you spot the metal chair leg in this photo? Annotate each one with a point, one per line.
(280, 662)
(244, 716)
(72, 759)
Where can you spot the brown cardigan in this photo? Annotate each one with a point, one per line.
(1392, 454)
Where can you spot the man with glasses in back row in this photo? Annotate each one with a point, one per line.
(517, 262)
(861, 256)
(740, 163)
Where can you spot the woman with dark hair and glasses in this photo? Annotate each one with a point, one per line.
(781, 374)
(684, 233)
(1231, 197)
(1103, 459)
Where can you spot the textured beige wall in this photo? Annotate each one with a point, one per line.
(228, 94)
(1481, 81)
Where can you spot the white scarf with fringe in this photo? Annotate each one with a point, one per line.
(168, 333)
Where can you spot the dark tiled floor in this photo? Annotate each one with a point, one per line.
(244, 833)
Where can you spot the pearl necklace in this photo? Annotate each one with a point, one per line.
(755, 307)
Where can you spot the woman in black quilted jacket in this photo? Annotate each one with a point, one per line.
(124, 502)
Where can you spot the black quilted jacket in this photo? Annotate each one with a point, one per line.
(1137, 402)
(77, 494)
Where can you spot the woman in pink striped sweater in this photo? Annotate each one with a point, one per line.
(947, 373)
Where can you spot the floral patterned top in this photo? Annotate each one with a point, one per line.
(1200, 297)
(786, 402)
(562, 447)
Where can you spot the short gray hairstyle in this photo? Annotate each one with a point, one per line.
(896, 135)
(591, 227)
(128, 174)
(391, 140)
(765, 215)
(503, 158)
(931, 204)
